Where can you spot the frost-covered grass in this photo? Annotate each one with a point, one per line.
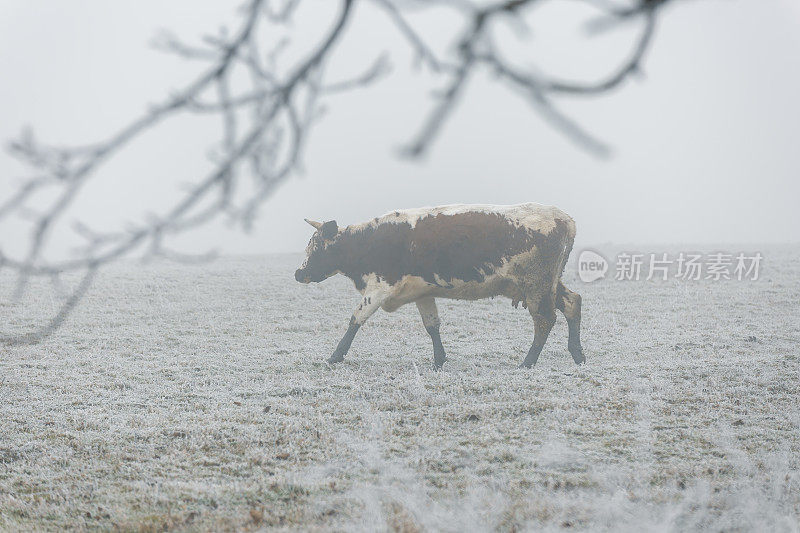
(196, 397)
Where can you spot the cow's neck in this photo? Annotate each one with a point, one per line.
(356, 253)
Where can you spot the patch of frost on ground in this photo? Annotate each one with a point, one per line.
(196, 397)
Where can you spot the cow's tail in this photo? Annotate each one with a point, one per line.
(569, 240)
(562, 240)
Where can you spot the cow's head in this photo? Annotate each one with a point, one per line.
(319, 264)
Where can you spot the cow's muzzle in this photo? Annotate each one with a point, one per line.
(301, 276)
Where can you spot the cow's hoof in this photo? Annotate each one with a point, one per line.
(578, 357)
(526, 366)
(335, 358)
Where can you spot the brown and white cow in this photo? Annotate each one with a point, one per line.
(464, 252)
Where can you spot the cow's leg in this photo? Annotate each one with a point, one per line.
(430, 319)
(544, 317)
(570, 304)
(369, 304)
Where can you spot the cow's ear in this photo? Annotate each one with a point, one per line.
(329, 230)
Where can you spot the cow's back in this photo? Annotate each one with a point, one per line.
(461, 242)
(536, 217)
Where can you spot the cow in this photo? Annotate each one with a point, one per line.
(464, 252)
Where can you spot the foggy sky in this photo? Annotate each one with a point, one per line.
(705, 143)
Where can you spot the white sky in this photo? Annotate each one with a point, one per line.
(706, 144)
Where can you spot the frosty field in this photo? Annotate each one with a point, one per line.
(196, 397)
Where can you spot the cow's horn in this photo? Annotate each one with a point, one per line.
(316, 225)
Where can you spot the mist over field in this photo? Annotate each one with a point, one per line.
(400, 265)
(197, 398)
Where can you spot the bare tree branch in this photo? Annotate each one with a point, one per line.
(631, 66)
(474, 49)
(270, 106)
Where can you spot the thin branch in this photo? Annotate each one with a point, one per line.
(63, 312)
(438, 116)
(423, 51)
(379, 68)
(631, 66)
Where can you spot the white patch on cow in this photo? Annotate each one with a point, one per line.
(428, 312)
(374, 294)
